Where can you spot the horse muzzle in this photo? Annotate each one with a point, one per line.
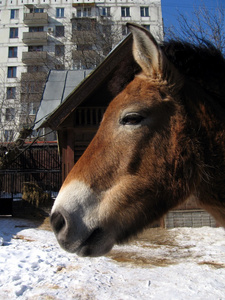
(74, 220)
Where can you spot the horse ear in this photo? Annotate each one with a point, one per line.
(146, 51)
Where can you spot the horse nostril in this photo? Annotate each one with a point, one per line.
(57, 221)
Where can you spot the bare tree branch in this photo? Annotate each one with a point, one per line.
(204, 26)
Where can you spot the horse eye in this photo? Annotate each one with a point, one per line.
(132, 119)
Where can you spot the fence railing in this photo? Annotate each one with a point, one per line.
(39, 164)
(12, 181)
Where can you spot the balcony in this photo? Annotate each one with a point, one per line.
(35, 18)
(86, 4)
(36, 58)
(35, 38)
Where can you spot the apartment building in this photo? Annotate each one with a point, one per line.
(39, 35)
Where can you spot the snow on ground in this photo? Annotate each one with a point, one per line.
(181, 263)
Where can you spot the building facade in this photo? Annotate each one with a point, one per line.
(39, 35)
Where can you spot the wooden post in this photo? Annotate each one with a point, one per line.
(70, 150)
(66, 143)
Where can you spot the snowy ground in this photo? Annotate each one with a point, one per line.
(182, 263)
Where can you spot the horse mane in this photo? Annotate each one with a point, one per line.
(203, 64)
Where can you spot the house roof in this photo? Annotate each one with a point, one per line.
(58, 112)
(58, 86)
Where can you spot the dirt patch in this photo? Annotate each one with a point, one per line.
(161, 248)
(214, 265)
(152, 239)
(138, 260)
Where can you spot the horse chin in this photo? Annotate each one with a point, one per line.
(97, 244)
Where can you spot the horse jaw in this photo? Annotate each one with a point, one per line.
(75, 221)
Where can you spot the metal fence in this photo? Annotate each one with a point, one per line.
(12, 181)
(39, 164)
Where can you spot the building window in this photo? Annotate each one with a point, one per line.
(146, 26)
(125, 11)
(59, 31)
(11, 72)
(35, 48)
(87, 12)
(106, 11)
(36, 10)
(125, 30)
(79, 13)
(59, 12)
(144, 11)
(35, 69)
(13, 33)
(84, 47)
(8, 135)
(107, 29)
(12, 51)
(31, 87)
(10, 114)
(59, 50)
(11, 92)
(14, 14)
(36, 29)
(33, 108)
(84, 25)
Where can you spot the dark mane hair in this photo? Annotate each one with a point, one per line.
(203, 64)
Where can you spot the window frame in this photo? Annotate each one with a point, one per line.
(125, 11)
(14, 14)
(59, 50)
(8, 135)
(106, 11)
(10, 114)
(60, 12)
(79, 12)
(84, 47)
(60, 31)
(11, 92)
(38, 48)
(13, 32)
(87, 12)
(37, 10)
(146, 26)
(125, 30)
(33, 108)
(12, 72)
(13, 52)
(144, 11)
(36, 28)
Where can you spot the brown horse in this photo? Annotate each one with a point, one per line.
(161, 140)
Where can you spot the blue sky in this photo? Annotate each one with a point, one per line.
(171, 9)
